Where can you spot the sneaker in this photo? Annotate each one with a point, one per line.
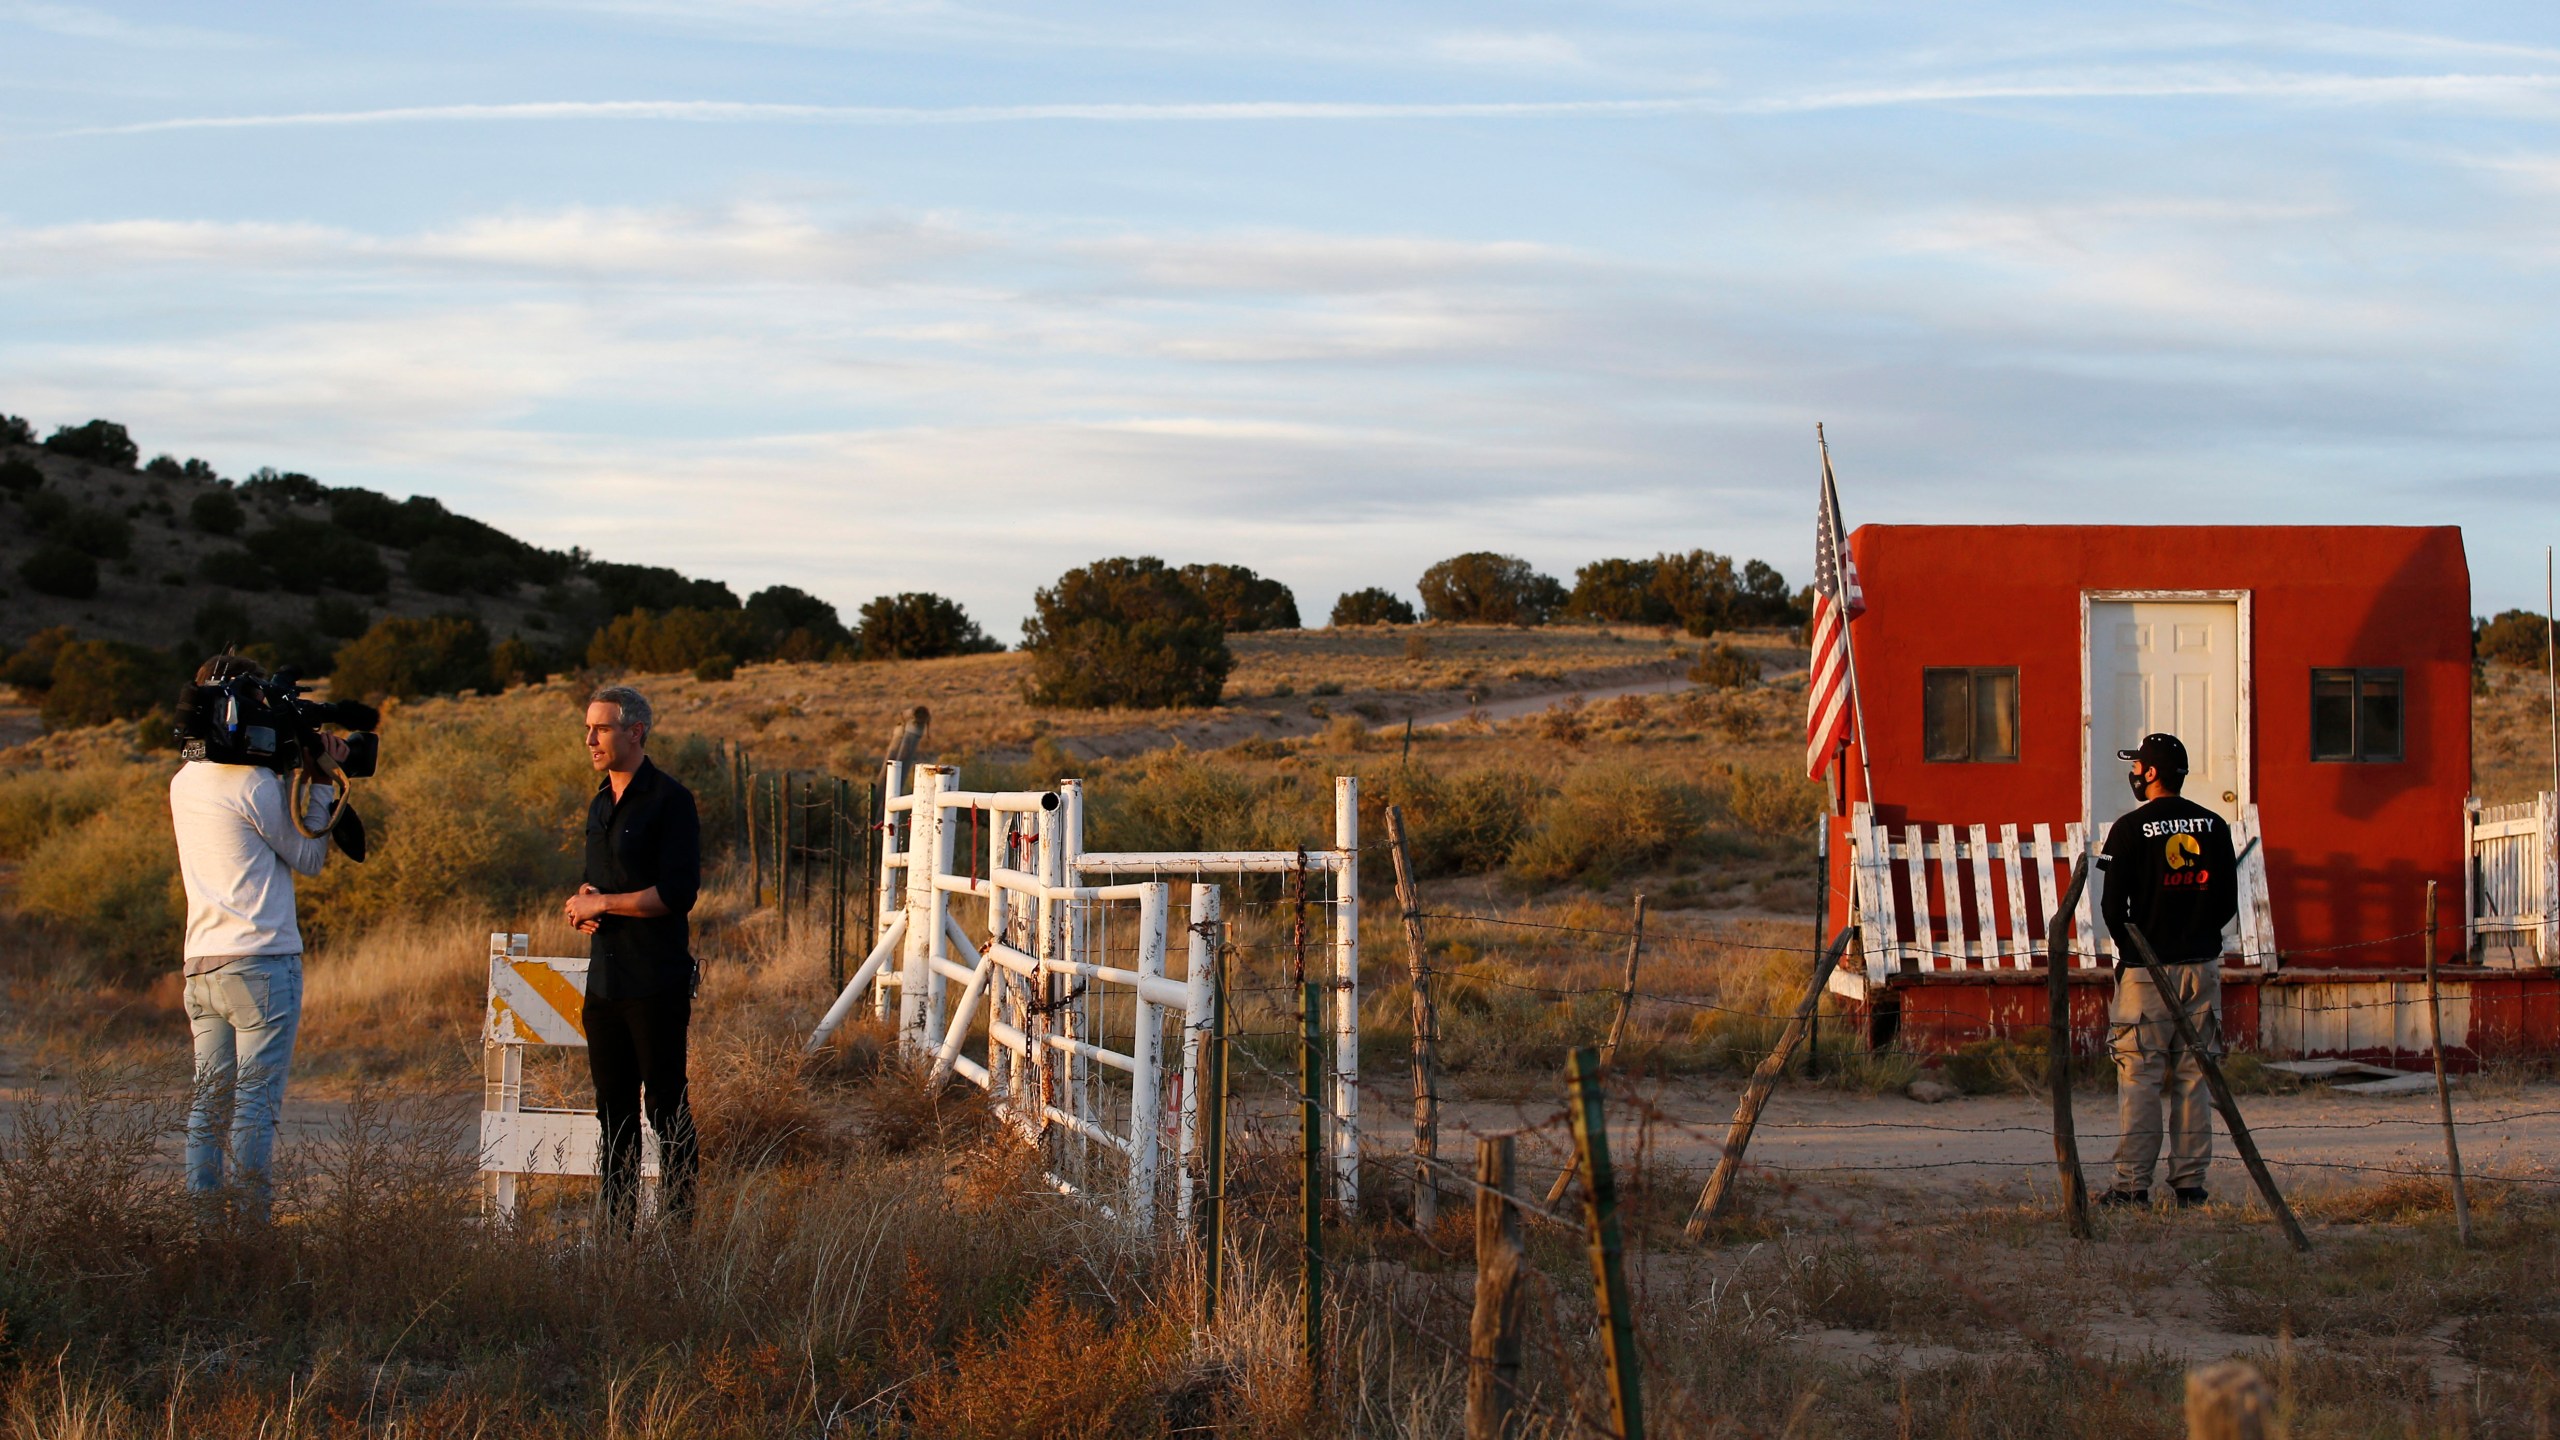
(2128, 1198)
(2191, 1196)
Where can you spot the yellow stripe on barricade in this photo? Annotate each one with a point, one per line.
(566, 1000)
(534, 1002)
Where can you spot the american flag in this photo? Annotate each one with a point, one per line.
(1836, 601)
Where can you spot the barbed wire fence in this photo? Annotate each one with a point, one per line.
(1537, 1353)
(1535, 1350)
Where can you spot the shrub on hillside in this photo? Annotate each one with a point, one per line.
(1242, 601)
(655, 643)
(1724, 668)
(101, 442)
(268, 486)
(30, 667)
(217, 512)
(1625, 592)
(1183, 800)
(1490, 589)
(2515, 637)
(98, 534)
(1463, 824)
(1708, 594)
(467, 816)
(407, 657)
(517, 661)
(234, 569)
(58, 570)
(221, 623)
(915, 625)
(14, 430)
(1124, 632)
(1608, 820)
(1374, 605)
(304, 555)
(1774, 803)
(96, 681)
(797, 626)
(340, 619)
(18, 476)
(625, 588)
(98, 863)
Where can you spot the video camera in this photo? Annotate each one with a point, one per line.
(246, 721)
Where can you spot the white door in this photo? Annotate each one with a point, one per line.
(2171, 665)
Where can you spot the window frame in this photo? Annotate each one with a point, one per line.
(1973, 675)
(2356, 677)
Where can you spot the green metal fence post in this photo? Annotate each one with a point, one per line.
(1608, 1261)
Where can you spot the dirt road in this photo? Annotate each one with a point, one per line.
(2002, 1144)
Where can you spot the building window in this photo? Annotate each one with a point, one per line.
(2356, 715)
(1969, 714)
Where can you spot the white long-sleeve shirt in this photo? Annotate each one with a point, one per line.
(237, 849)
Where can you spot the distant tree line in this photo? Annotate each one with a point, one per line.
(1125, 631)
(2512, 637)
(1700, 591)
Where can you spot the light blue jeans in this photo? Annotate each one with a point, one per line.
(244, 1016)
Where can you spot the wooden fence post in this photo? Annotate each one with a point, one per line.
(1426, 1034)
(2229, 1400)
(1311, 1178)
(1746, 1116)
(2057, 979)
(2444, 1090)
(1493, 1334)
(1617, 1032)
(2223, 1099)
(1608, 1260)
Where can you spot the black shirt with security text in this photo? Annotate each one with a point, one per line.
(651, 836)
(2169, 870)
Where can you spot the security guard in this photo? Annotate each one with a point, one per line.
(2169, 870)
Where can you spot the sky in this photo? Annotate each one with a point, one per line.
(901, 295)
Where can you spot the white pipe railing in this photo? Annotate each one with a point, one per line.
(1035, 986)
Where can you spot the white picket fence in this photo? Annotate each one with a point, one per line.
(2514, 881)
(1970, 898)
(1075, 978)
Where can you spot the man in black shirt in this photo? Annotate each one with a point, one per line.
(2169, 871)
(644, 867)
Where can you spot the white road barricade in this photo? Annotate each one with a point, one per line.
(536, 1000)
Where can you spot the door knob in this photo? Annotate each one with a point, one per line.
(2229, 798)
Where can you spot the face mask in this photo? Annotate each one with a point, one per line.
(2134, 781)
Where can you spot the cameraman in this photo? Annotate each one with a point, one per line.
(238, 851)
(644, 867)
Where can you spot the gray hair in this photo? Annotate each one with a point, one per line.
(627, 703)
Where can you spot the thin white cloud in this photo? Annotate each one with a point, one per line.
(79, 22)
(2509, 93)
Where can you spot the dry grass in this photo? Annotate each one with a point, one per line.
(877, 1258)
(2510, 734)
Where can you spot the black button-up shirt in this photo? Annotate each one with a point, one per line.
(651, 836)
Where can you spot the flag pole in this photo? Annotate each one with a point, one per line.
(1857, 707)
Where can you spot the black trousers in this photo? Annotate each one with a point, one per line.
(635, 1051)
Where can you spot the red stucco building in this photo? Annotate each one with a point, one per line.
(2321, 679)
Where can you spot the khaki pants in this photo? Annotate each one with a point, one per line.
(2153, 1071)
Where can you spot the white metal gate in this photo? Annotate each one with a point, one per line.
(1070, 959)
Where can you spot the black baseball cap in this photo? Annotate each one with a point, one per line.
(2166, 753)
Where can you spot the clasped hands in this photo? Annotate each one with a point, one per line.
(586, 909)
